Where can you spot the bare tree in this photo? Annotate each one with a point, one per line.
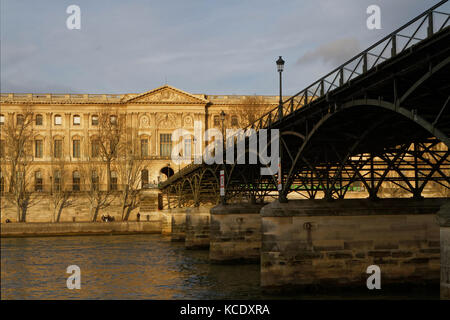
(251, 109)
(110, 138)
(99, 198)
(61, 196)
(17, 165)
(129, 166)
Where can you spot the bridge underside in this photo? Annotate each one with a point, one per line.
(385, 133)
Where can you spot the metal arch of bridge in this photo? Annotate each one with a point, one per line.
(406, 94)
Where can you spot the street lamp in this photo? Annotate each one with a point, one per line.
(280, 68)
(222, 173)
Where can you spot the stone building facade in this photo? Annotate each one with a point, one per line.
(65, 123)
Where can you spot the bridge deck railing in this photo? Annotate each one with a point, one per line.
(416, 30)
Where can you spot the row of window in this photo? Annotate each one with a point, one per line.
(76, 180)
(76, 120)
(57, 119)
(165, 147)
(234, 121)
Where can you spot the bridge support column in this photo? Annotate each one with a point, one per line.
(197, 227)
(235, 233)
(444, 222)
(178, 224)
(323, 243)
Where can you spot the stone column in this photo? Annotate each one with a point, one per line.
(444, 221)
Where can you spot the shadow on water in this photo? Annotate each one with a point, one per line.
(141, 267)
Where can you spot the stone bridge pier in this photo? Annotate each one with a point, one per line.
(197, 227)
(235, 235)
(321, 243)
(444, 222)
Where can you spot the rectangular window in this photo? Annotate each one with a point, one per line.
(76, 120)
(113, 180)
(216, 121)
(2, 119)
(38, 148)
(187, 148)
(57, 148)
(76, 148)
(20, 119)
(95, 181)
(76, 181)
(58, 120)
(38, 181)
(144, 147)
(2, 148)
(165, 147)
(57, 181)
(2, 182)
(94, 120)
(39, 120)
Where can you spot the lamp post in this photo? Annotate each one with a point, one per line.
(222, 172)
(280, 68)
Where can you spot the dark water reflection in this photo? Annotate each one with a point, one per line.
(124, 267)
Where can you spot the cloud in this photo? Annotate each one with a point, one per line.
(334, 53)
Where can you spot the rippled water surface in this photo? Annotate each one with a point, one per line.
(126, 267)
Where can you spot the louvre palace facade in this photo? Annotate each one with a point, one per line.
(64, 127)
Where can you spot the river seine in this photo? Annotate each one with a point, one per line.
(133, 267)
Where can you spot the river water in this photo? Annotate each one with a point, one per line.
(132, 267)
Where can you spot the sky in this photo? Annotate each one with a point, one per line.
(200, 46)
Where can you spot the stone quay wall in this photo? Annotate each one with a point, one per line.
(316, 242)
(78, 228)
(235, 233)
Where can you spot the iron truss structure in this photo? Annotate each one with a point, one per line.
(380, 121)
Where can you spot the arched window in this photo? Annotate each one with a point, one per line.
(58, 120)
(76, 120)
(113, 180)
(144, 178)
(57, 148)
(38, 181)
(76, 179)
(38, 148)
(39, 120)
(95, 148)
(76, 148)
(144, 147)
(2, 119)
